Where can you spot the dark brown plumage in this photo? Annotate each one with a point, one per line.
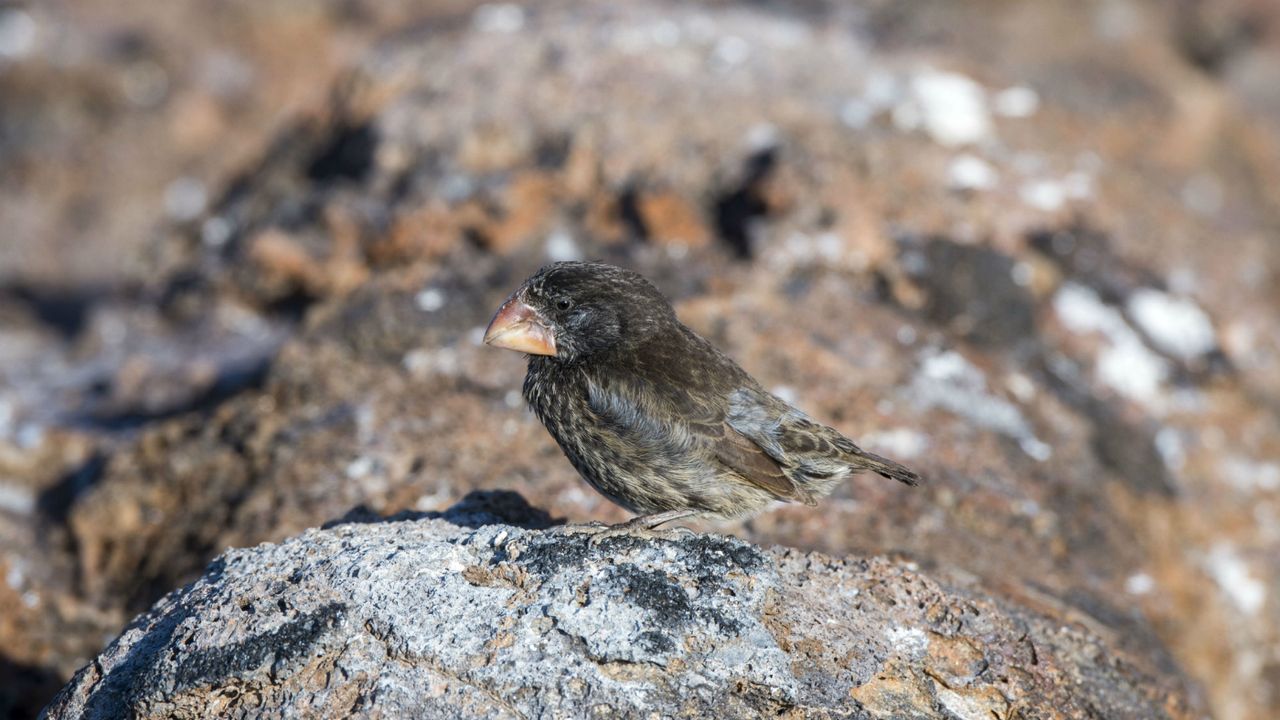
(651, 414)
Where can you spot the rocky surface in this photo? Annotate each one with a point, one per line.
(468, 616)
(1029, 249)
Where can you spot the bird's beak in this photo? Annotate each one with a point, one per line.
(519, 327)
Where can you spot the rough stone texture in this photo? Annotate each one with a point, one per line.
(466, 616)
(1027, 247)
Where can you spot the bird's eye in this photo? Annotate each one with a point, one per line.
(564, 303)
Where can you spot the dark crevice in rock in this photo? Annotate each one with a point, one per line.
(551, 151)
(292, 306)
(629, 211)
(1211, 37)
(65, 310)
(24, 687)
(737, 209)
(348, 154)
(55, 502)
(232, 379)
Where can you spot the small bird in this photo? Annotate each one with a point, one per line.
(652, 415)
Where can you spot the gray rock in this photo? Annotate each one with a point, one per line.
(464, 615)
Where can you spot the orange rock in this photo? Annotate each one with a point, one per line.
(527, 208)
(672, 220)
(423, 233)
(493, 148)
(283, 260)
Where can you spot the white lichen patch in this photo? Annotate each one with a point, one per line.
(643, 37)
(1251, 475)
(1170, 446)
(902, 443)
(970, 172)
(1134, 370)
(500, 18)
(17, 500)
(907, 641)
(785, 392)
(824, 248)
(882, 91)
(1139, 584)
(422, 362)
(1021, 386)
(8, 417)
(951, 108)
(1044, 194)
(1018, 101)
(15, 577)
(1125, 364)
(185, 199)
(1175, 324)
(19, 33)
(361, 467)
(949, 381)
(430, 300)
(1233, 576)
(731, 50)
(967, 707)
(561, 247)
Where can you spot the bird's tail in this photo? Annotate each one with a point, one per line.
(885, 467)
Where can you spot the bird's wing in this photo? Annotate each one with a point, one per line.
(796, 441)
(747, 459)
(669, 426)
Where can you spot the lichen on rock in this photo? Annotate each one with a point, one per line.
(463, 614)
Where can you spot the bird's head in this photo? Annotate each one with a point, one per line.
(573, 311)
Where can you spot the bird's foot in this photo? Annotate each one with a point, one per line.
(587, 528)
(643, 526)
(639, 532)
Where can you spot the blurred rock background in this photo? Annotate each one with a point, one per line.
(247, 250)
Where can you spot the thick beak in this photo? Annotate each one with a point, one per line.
(518, 327)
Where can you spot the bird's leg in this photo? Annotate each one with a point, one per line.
(639, 526)
(645, 526)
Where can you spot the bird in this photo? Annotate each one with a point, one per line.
(655, 417)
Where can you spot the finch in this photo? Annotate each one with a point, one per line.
(652, 415)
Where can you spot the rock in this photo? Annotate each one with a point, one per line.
(464, 615)
(971, 290)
